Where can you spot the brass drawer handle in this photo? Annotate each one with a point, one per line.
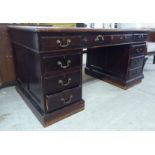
(99, 37)
(60, 43)
(67, 101)
(139, 50)
(59, 63)
(65, 84)
(140, 36)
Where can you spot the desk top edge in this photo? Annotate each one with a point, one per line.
(74, 29)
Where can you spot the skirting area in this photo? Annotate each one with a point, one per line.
(106, 107)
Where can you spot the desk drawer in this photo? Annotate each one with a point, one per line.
(62, 99)
(100, 39)
(61, 63)
(140, 37)
(96, 40)
(61, 82)
(122, 38)
(134, 73)
(137, 50)
(59, 42)
(136, 62)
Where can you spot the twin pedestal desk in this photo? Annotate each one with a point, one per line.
(49, 65)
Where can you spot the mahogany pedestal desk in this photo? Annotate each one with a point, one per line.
(49, 65)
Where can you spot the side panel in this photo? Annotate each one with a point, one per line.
(29, 73)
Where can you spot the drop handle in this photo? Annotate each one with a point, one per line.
(59, 63)
(99, 37)
(62, 83)
(67, 101)
(141, 36)
(60, 43)
(139, 50)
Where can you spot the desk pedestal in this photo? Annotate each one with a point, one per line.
(116, 65)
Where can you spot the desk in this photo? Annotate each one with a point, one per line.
(49, 65)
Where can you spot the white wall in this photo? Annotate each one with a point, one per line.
(123, 25)
(136, 25)
(101, 25)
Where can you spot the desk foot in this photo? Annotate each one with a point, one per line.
(113, 80)
(47, 119)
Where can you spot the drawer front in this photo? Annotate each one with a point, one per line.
(101, 39)
(138, 49)
(62, 82)
(136, 62)
(134, 73)
(116, 39)
(62, 99)
(140, 37)
(96, 40)
(60, 63)
(59, 42)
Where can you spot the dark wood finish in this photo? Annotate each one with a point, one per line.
(120, 38)
(138, 49)
(49, 73)
(140, 37)
(7, 71)
(61, 82)
(136, 62)
(95, 40)
(49, 43)
(65, 98)
(49, 64)
(132, 73)
(122, 65)
(53, 117)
